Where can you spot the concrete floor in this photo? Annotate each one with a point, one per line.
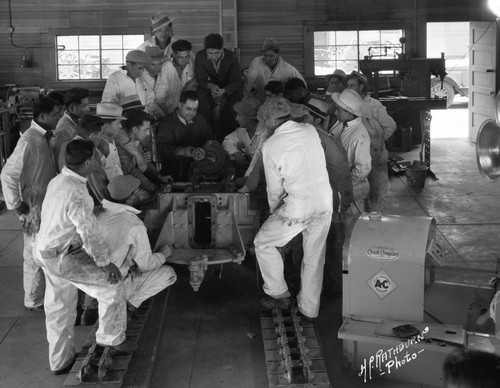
(205, 342)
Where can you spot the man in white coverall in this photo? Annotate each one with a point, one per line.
(144, 273)
(300, 201)
(73, 255)
(25, 177)
(380, 127)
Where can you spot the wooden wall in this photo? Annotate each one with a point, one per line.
(290, 21)
(36, 22)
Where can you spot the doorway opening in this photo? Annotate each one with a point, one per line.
(452, 39)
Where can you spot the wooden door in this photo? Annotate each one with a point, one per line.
(482, 74)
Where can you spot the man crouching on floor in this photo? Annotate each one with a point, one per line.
(73, 255)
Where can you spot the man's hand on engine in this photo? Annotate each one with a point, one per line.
(166, 250)
(113, 273)
(186, 151)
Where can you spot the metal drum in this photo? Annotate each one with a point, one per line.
(384, 266)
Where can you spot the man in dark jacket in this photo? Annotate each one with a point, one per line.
(179, 133)
(220, 84)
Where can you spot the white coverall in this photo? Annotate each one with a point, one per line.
(300, 201)
(145, 86)
(72, 251)
(118, 87)
(25, 177)
(127, 240)
(356, 141)
(169, 84)
(380, 127)
(259, 74)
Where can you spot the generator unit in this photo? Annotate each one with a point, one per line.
(404, 312)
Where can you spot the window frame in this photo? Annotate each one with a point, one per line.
(99, 49)
(49, 67)
(310, 29)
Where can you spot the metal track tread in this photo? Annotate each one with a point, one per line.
(293, 354)
(95, 367)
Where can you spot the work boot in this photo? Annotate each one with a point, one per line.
(89, 317)
(126, 348)
(65, 369)
(268, 302)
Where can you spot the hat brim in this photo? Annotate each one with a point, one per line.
(340, 77)
(163, 25)
(339, 103)
(111, 117)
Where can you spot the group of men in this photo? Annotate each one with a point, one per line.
(75, 180)
(79, 234)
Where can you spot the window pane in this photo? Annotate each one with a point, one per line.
(90, 72)
(391, 36)
(132, 41)
(70, 42)
(67, 57)
(323, 53)
(347, 66)
(111, 41)
(89, 42)
(89, 57)
(112, 56)
(68, 72)
(347, 37)
(324, 67)
(324, 38)
(347, 52)
(369, 37)
(108, 69)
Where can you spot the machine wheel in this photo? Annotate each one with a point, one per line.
(447, 91)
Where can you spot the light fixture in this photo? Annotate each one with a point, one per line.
(26, 61)
(494, 6)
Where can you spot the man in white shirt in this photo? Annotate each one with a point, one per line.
(268, 67)
(380, 127)
(354, 138)
(177, 74)
(73, 255)
(148, 83)
(300, 201)
(162, 37)
(25, 177)
(240, 145)
(122, 83)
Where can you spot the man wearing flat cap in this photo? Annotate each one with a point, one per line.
(380, 127)
(161, 25)
(268, 67)
(122, 83)
(148, 82)
(300, 201)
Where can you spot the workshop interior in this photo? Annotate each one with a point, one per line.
(419, 279)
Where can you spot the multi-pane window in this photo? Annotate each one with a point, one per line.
(343, 49)
(93, 57)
